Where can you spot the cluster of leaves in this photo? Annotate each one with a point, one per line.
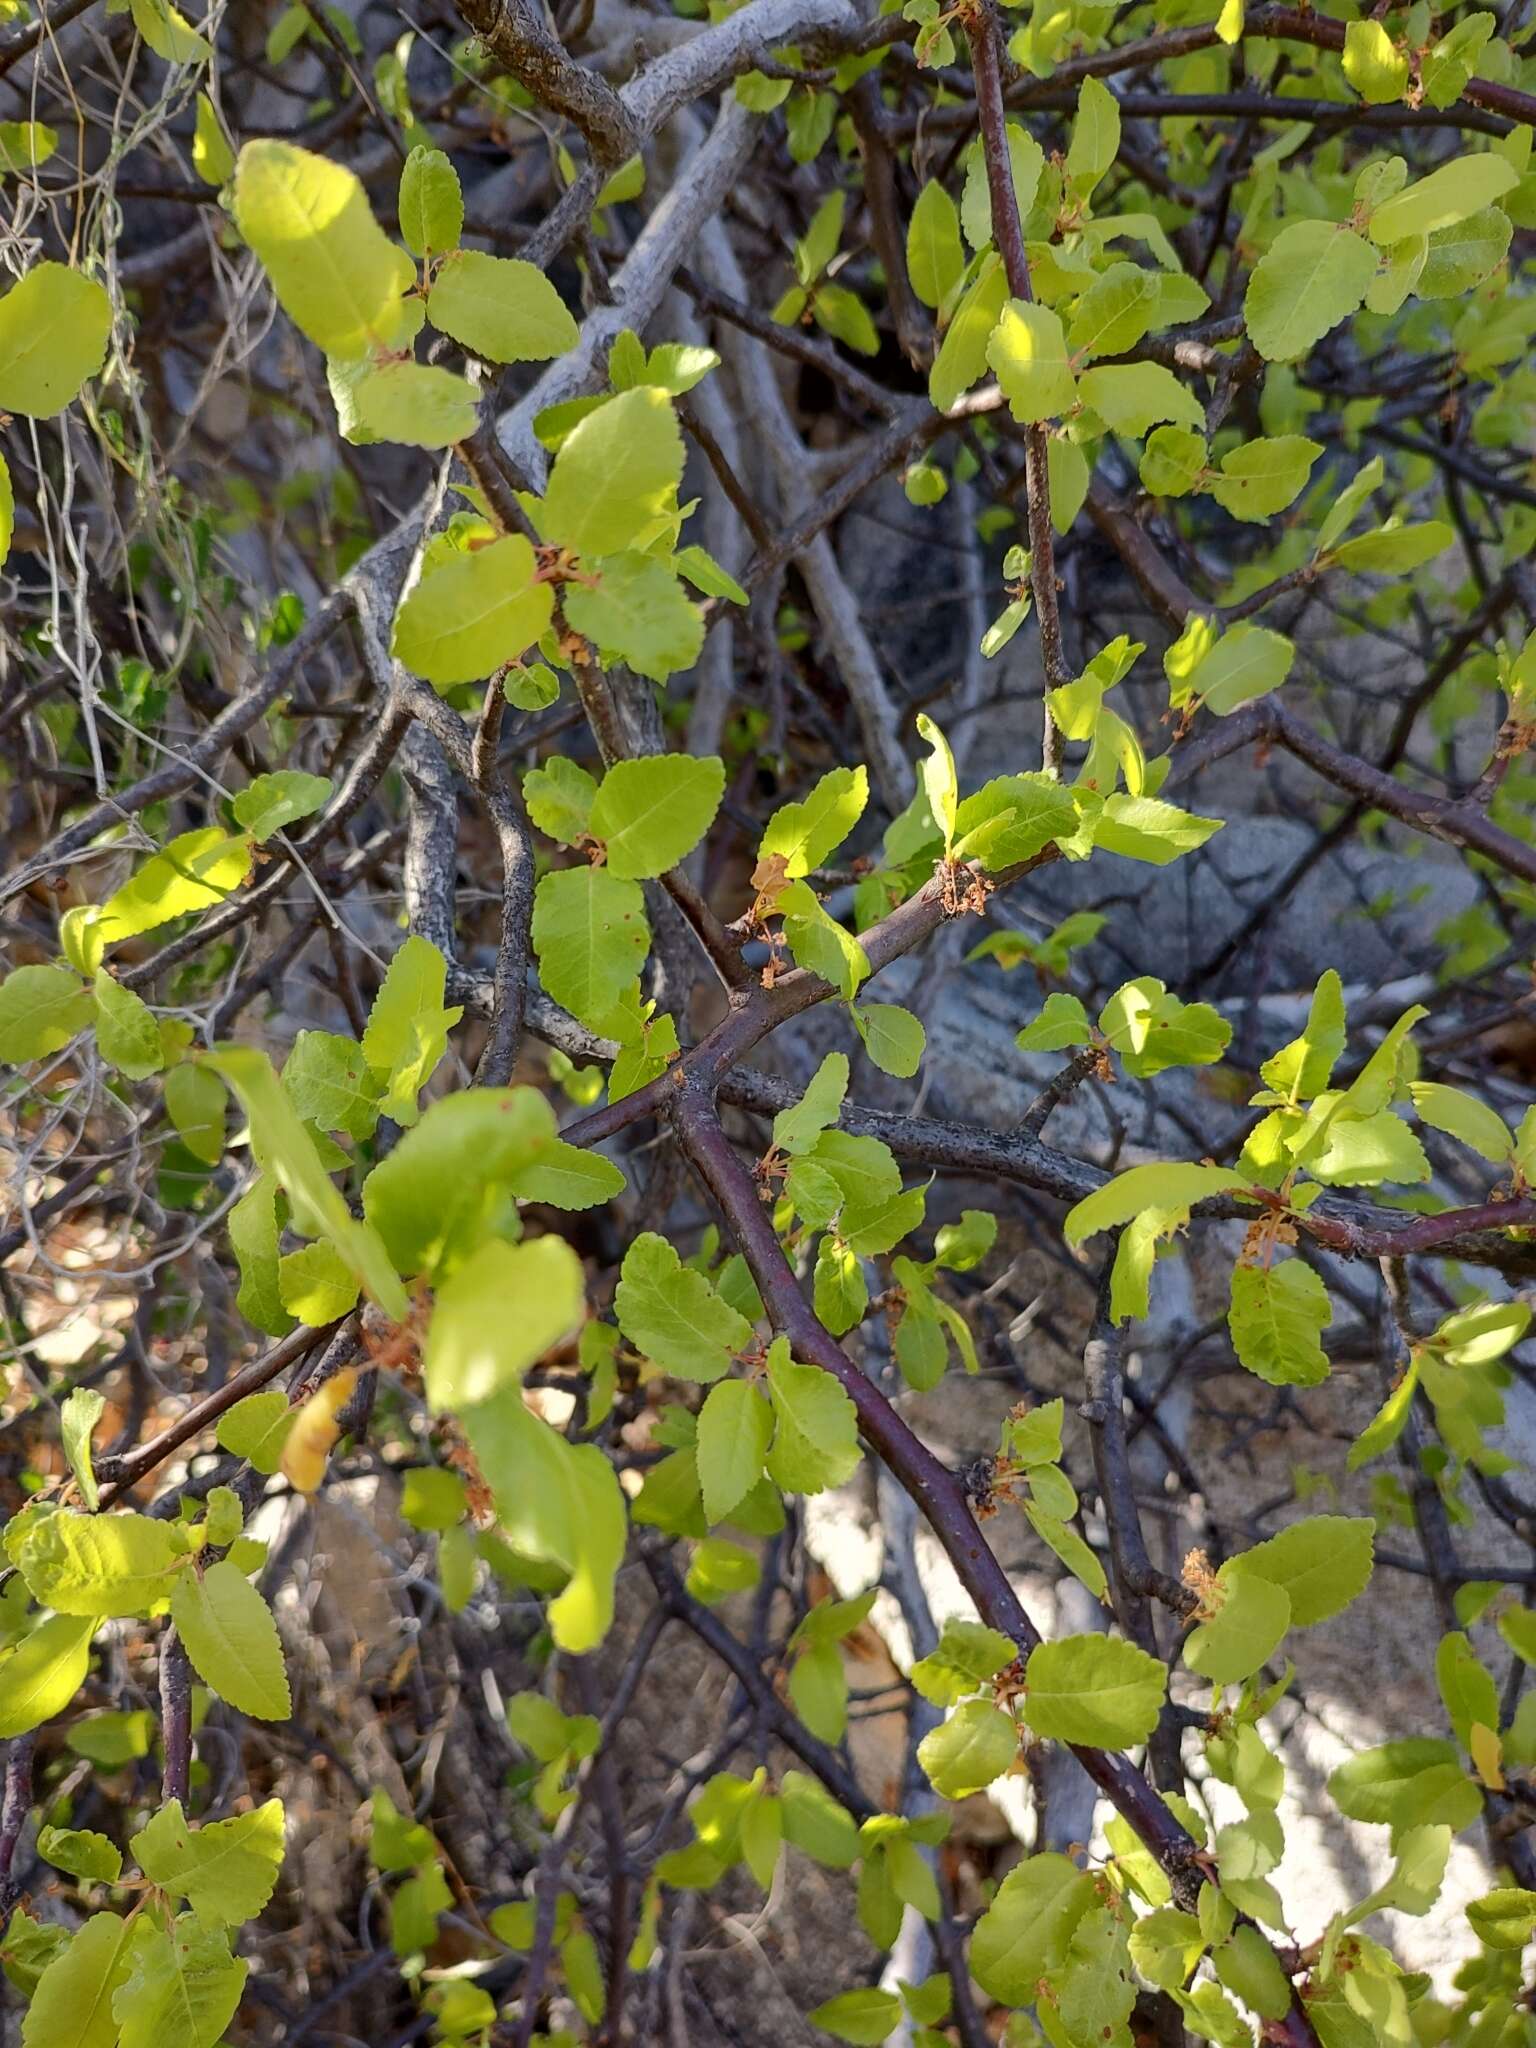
(367, 1191)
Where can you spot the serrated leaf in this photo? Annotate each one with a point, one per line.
(1322, 1563)
(500, 307)
(1093, 1689)
(257, 1429)
(1277, 1314)
(472, 613)
(408, 1026)
(1024, 1935)
(807, 833)
(616, 475)
(815, 1439)
(54, 329)
(1313, 276)
(185, 1986)
(228, 1633)
(653, 811)
(1131, 397)
(40, 1674)
(431, 203)
(226, 1870)
(72, 2005)
(1245, 1630)
(126, 1030)
(194, 871)
(638, 612)
(82, 1852)
(1167, 1184)
(1028, 352)
(1260, 478)
(268, 803)
(966, 1752)
(735, 1429)
(1449, 194)
(336, 274)
(672, 1313)
(99, 1565)
(78, 1417)
(935, 258)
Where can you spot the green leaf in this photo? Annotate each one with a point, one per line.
(1028, 352)
(328, 1079)
(1164, 1184)
(566, 1177)
(41, 1009)
(1461, 1115)
(408, 1026)
(1417, 1875)
(735, 1429)
(1011, 819)
(840, 312)
(1093, 1689)
(638, 612)
(336, 273)
(72, 2005)
(807, 833)
(1026, 160)
(1146, 828)
(940, 783)
(315, 1284)
(816, 1824)
(7, 509)
(472, 613)
(1276, 1316)
(500, 1312)
(1322, 1563)
(430, 1213)
(1113, 314)
(1172, 462)
(1024, 1935)
(672, 1313)
(935, 258)
(126, 1030)
(40, 1674)
(967, 1657)
(1451, 193)
(1503, 1919)
(500, 307)
(1075, 1554)
(225, 1870)
(1301, 1069)
(212, 158)
(1394, 1784)
(288, 1154)
(1152, 1030)
(893, 1038)
(184, 1990)
(1129, 397)
(559, 1503)
(1313, 276)
(54, 329)
(815, 1440)
(82, 1852)
(414, 404)
(1461, 257)
(652, 812)
(268, 803)
(431, 203)
(862, 2017)
(77, 1418)
(257, 1429)
(1095, 137)
(819, 944)
(25, 146)
(99, 1565)
(229, 1634)
(977, 1743)
(194, 871)
(1373, 63)
(169, 34)
(1260, 478)
(253, 1235)
(1466, 1686)
(616, 475)
(559, 795)
(1062, 1022)
(962, 355)
(798, 1128)
(1245, 1630)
